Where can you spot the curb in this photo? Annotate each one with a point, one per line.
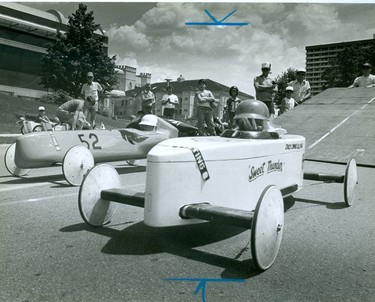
(10, 135)
(8, 138)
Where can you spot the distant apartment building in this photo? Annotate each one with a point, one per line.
(317, 60)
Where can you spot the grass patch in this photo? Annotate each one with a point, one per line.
(12, 106)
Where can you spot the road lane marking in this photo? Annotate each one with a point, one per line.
(34, 199)
(29, 200)
(24, 186)
(337, 126)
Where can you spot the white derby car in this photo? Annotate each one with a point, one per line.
(239, 178)
(77, 150)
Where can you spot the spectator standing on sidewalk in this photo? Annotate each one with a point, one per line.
(232, 103)
(204, 100)
(288, 102)
(366, 80)
(148, 99)
(169, 103)
(266, 88)
(301, 87)
(91, 89)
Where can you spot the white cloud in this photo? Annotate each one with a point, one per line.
(161, 43)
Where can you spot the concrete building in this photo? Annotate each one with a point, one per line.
(126, 76)
(128, 79)
(185, 91)
(317, 60)
(24, 33)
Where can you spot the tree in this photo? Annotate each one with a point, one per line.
(347, 65)
(282, 81)
(75, 53)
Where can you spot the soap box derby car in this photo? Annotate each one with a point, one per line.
(239, 178)
(77, 150)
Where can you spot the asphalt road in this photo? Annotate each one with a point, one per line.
(47, 252)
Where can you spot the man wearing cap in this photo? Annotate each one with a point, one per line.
(366, 80)
(148, 99)
(266, 88)
(301, 87)
(91, 89)
(169, 103)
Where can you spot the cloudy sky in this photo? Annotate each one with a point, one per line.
(153, 37)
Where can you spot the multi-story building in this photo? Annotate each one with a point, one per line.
(24, 33)
(185, 91)
(317, 60)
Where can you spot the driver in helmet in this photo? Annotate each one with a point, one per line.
(148, 122)
(253, 115)
(42, 117)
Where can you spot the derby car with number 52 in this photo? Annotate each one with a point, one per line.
(239, 178)
(78, 150)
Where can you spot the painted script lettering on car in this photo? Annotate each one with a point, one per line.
(256, 172)
(274, 166)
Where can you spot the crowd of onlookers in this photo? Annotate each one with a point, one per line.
(80, 112)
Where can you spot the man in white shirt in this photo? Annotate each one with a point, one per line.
(91, 89)
(301, 87)
(266, 88)
(148, 99)
(169, 103)
(366, 80)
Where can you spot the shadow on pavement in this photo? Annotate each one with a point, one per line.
(139, 239)
(329, 205)
(55, 178)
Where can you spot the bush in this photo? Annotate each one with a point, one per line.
(58, 98)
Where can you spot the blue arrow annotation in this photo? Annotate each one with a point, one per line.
(216, 22)
(202, 283)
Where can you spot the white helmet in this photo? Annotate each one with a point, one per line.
(41, 108)
(149, 120)
(289, 88)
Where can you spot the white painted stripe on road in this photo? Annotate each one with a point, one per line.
(24, 186)
(337, 126)
(35, 199)
(49, 197)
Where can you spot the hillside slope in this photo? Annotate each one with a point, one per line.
(12, 107)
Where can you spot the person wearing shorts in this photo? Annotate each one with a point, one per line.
(169, 103)
(71, 113)
(92, 89)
